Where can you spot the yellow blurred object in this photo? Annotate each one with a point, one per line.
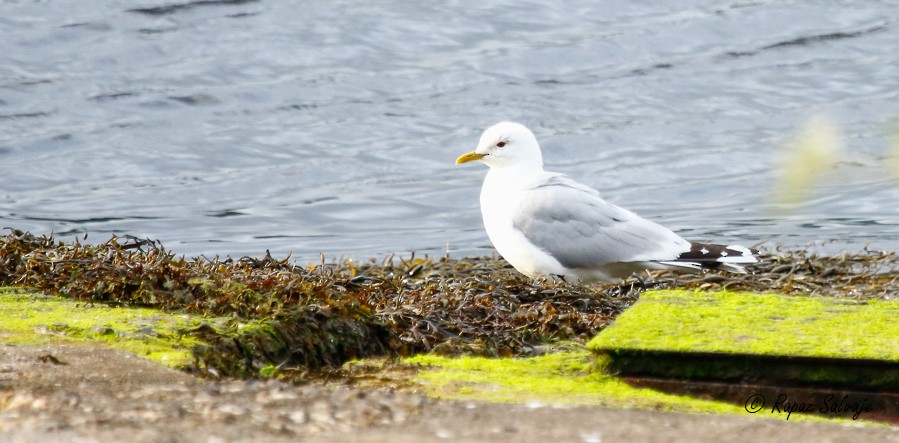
(807, 160)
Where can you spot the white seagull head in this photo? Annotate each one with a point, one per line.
(506, 144)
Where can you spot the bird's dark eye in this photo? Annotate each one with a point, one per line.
(500, 144)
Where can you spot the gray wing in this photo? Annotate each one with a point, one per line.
(581, 230)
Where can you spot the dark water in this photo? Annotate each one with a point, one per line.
(231, 127)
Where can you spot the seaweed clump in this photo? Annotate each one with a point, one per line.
(277, 312)
(286, 316)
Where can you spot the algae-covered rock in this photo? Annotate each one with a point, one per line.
(755, 337)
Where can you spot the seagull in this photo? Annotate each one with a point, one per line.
(548, 225)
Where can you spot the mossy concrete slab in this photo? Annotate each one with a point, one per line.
(730, 345)
(28, 318)
(746, 323)
(740, 336)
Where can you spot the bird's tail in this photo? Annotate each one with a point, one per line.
(708, 256)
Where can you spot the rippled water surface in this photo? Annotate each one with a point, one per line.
(232, 127)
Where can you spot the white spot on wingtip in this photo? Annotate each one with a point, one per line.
(704, 251)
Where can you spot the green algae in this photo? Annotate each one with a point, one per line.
(764, 339)
(569, 379)
(560, 379)
(34, 319)
(756, 324)
(175, 339)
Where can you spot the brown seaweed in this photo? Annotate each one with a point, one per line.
(322, 315)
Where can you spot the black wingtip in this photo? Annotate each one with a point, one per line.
(712, 256)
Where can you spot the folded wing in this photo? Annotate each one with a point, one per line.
(581, 230)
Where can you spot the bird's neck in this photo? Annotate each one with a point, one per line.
(517, 176)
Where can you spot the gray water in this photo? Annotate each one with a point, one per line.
(232, 127)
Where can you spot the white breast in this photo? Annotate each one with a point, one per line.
(500, 198)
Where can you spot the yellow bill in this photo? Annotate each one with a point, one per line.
(468, 157)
